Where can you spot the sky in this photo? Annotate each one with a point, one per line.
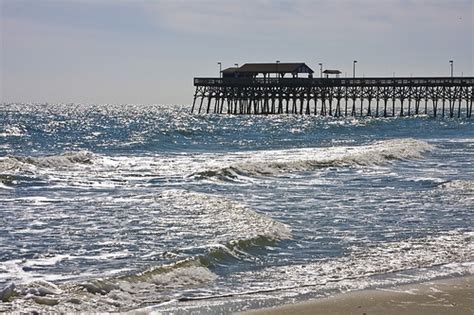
(147, 52)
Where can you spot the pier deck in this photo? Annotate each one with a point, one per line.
(371, 96)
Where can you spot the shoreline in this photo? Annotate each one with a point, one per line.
(447, 296)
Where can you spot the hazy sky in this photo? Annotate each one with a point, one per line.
(144, 51)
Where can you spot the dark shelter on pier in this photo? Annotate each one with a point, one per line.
(253, 70)
(281, 88)
(335, 72)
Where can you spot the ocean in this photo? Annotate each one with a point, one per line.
(115, 208)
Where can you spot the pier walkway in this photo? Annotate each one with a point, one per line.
(377, 96)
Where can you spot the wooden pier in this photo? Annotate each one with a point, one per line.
(240, 92)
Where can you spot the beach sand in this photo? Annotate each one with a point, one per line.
(450, 296)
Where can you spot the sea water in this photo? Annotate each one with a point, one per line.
(110, 208)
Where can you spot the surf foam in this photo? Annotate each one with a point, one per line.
(30, 164)
(235, 230)
(271, 163)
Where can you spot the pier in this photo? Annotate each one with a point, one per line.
(264, 89)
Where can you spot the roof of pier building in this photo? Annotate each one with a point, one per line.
(327, 71)
(230, 70)
(300, 67)
(253, 69)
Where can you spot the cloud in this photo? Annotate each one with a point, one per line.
(307, 19)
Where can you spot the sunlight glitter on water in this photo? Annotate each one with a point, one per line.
(118, 207)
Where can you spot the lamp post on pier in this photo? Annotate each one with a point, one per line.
(236, 65)
(220, 69)
(321, 70)
(278, 74)
(451, 63)
(354, 68)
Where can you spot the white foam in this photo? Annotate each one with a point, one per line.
(13, 131)
(3, 186)
(283, 161)
(46, 261)
(183, 277)
(31, 163)
(113, 294)
(381, 264)
(36, 199)
(226, 216)
(244, 167)
(463, 185)
(13, 269)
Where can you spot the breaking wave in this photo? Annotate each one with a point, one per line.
(382, 264)
(152, 286)
(379, 153)
(13, 163)
(13, 131)
(224, 214)
(18, 171)
(237, 231)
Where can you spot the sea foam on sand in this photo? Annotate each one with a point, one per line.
(450, 296)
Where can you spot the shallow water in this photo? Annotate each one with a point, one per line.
(125, 207)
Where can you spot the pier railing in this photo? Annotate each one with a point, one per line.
(308, 82)
(371, 96)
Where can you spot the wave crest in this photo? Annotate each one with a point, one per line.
(379, 153)
(27, 163)
(237, 231)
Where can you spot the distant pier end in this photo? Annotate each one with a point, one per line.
(290, 88)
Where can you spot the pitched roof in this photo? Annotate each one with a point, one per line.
(332, 71)
(230, 70)
(299, 67)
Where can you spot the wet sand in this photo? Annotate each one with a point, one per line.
(450, 296)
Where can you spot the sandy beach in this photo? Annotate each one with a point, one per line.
(450, 296)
